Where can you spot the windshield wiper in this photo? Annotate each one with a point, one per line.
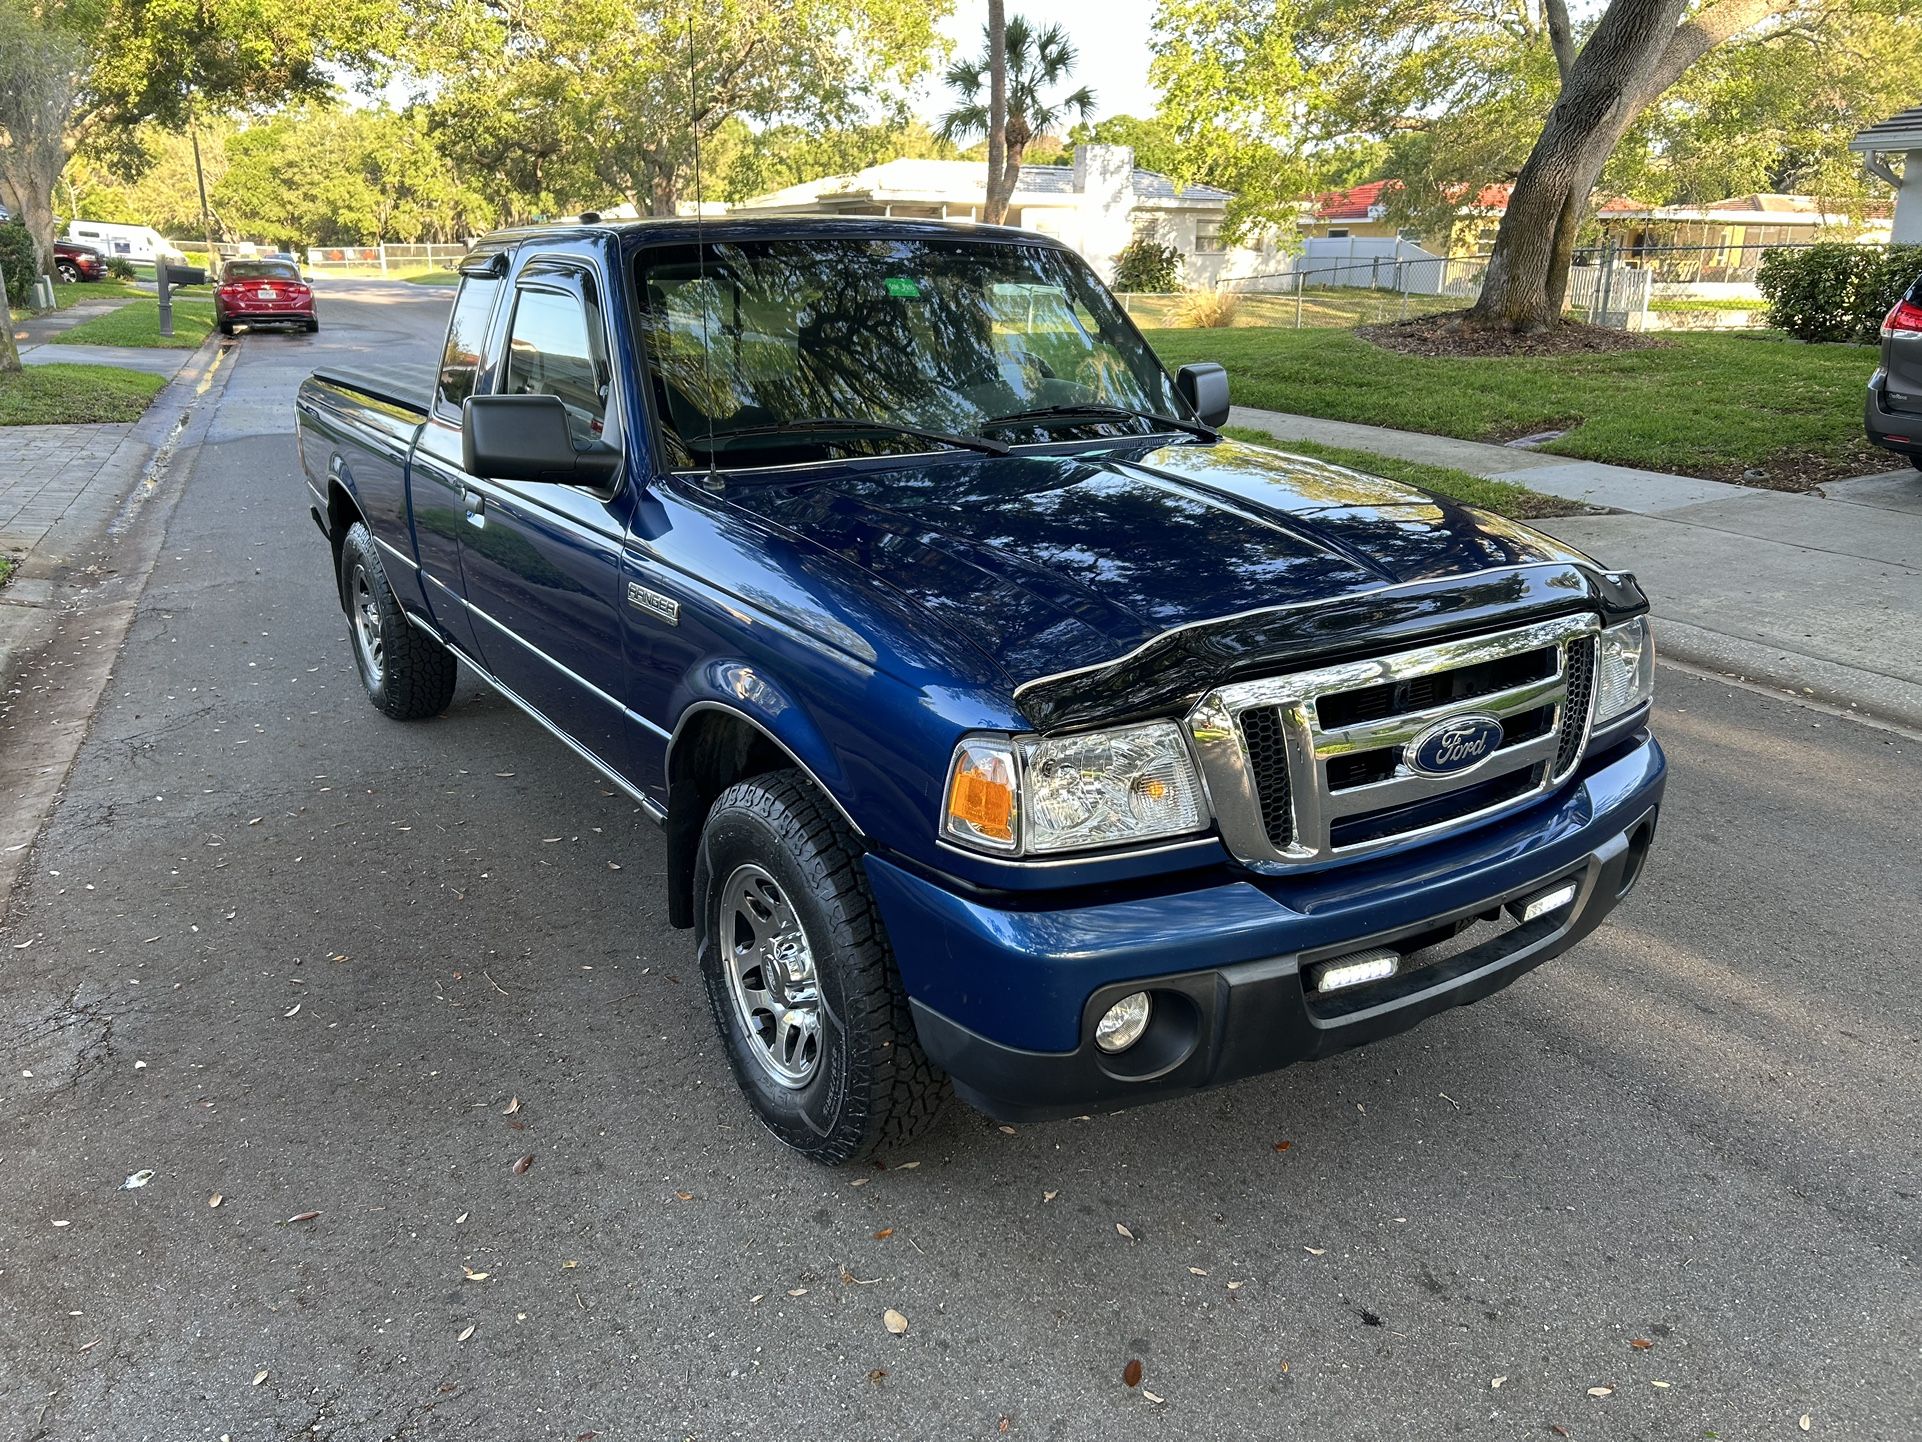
(720, 439)
(1096, 411)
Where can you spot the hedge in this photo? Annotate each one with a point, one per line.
(1835, 291)
(17, 260)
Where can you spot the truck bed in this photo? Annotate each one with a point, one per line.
(396, 388)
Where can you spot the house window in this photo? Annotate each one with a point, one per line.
(1340, 233)
(1208, 237)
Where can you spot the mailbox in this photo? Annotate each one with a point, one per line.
(168, 277)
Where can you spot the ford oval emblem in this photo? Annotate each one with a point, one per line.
(1458, 744)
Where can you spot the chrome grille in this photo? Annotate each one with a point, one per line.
(1315, 766)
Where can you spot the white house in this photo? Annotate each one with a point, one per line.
(1897, 141)
(1097, 206)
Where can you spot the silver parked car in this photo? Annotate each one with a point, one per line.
(1894, 411)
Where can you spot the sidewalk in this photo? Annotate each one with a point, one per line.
(1817, 594)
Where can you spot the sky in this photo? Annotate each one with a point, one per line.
(1111, 36)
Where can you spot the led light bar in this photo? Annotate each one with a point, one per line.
(1357, 969)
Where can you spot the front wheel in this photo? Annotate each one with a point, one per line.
(800, 976)
(408, 674)
(69, 272)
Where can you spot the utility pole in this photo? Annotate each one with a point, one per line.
(996, 209)
(200, 179)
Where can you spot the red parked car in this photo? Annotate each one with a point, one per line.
(263, 292)
(77, 262)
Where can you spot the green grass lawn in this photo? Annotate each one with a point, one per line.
(1504, 498)
(433, 277)
(65, 295)
(138, 324)
(6, 568)
(1706, 405)
(75, 395)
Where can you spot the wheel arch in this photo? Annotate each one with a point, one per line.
(716, 744)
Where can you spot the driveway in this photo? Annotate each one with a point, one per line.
(327, 979)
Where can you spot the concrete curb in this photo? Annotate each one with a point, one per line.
(1846, 688)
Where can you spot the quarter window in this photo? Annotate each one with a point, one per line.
(466, 332)
(551, 352)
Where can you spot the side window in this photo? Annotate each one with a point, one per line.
(552, 351)
(466, 332)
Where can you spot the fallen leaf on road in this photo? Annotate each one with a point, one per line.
(63, 1224)
(884, 1234)
(1558, 1429)
(1283, 1146)
(138, 1180)
(1496, 1382)
(798, 1292)
(465, 1332)
(1131, 1374)
(1640, 1344)
(1196, 1272)
(894, 1321)
(300, 1217)
(260, 1377)
(461, 1218)
(140, 1066)
(907, 1166)
(96, 1342)
(1601, 1391)
(255, 822)
(1805, 1422)
(523, 1164)
(1236, 1286)
(1316, 1251)
(215, 1200)
(878, 1376)
(474, 1276)
(1124, 1231)
(511, 1107)
(294, 1012)
(1154, 1397)
(569, 1265)
(685, 1196)
(860, 1181)
(755, 1300)
(1007, 1131)
(1049, 1196)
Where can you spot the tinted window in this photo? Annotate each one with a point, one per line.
(466, 332)
(551, 351)
(258, 270)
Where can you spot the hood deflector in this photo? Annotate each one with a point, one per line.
(1178, 665)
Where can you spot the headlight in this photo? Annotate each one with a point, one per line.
(1067, 793)
(1625, 678)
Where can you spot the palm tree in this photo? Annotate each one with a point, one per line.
(1037, 62)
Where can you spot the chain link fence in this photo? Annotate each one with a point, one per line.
(1623, 287)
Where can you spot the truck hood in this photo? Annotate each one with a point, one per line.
(1110, 582)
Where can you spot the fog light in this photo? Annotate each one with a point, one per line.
(1357, 969)
(1122, 1024)
(1543, 902)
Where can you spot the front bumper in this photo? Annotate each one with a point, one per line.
(1898, 431)
(1016, 1031)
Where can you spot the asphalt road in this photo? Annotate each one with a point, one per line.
(277, 949)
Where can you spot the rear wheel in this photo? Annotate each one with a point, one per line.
(800, 976)
(313, 324)
(408, 674)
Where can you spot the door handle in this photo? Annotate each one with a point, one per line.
(476, 506)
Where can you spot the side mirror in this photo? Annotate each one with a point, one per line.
(1204, 386)
(526, 438)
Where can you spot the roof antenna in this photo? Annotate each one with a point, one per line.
(712, 480)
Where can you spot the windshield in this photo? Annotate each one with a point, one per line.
(259, 270)
(935, 335)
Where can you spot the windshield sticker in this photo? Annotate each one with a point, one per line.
(902, 287)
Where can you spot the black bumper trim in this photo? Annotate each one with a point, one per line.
(1225, 1024)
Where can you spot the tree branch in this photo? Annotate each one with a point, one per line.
(1561, 37)
(1702, 32)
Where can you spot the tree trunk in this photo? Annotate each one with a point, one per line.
(36, 210)
(1000, 184)
(1609, 84)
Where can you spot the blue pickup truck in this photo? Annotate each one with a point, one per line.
(1010, 729)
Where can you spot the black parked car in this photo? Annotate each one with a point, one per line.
(1894, 411)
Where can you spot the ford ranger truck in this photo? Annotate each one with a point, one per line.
(1010, 729)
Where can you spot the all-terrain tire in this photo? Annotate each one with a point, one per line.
(408, 674)
(871, 1086)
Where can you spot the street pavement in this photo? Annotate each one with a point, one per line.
(339, 975)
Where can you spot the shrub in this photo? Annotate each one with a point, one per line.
(17, 259)
(120, 268)
(1207, 308)
(1147, 265)
(1835, 291)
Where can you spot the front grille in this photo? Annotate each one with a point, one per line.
(1267, 747)
(1323, 764)
(1581, 684)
